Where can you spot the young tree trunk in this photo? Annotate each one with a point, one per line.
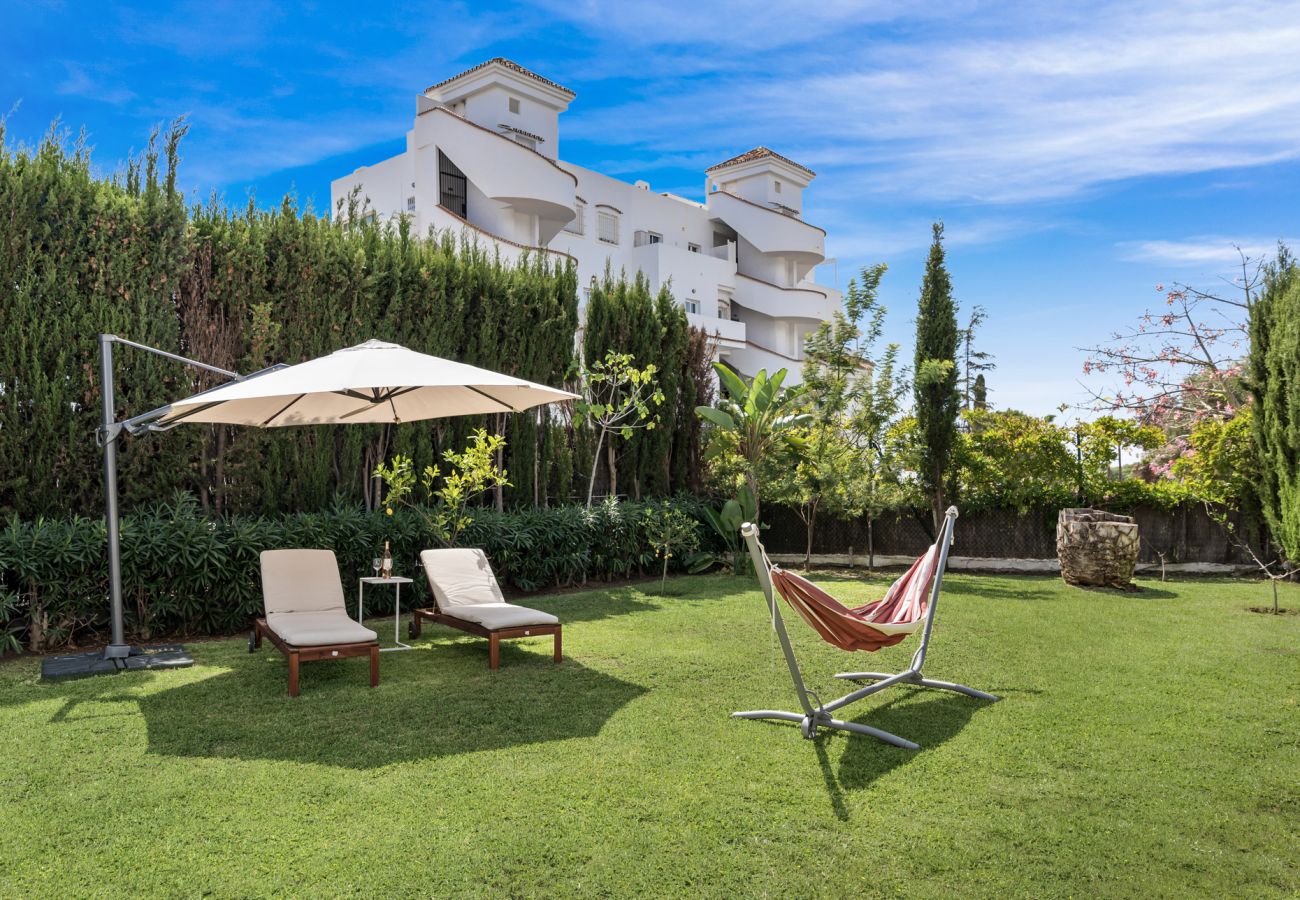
(612, 457)
(871, 543)
(937, 503)
(809, 521)
(752, 482)
(595, 464)
(498, 492)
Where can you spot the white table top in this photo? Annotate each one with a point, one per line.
(396, 579)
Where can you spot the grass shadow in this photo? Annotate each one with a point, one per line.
(926, 717)
(437, 701)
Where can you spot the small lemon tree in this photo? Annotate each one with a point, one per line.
(671, 532)
(617, 397)
(446, 495)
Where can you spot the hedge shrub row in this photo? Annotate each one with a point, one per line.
(186, 574)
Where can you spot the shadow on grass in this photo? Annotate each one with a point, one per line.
(435, 702)
(926, 717)
(929, 718)
(1141, 593)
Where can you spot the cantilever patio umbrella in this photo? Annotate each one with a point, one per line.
(369, 383)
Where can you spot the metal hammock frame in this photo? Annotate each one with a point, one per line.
(816, 714)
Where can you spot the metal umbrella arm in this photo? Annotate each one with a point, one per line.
(106, 436)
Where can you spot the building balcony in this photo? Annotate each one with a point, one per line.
(750, 357)
(441, 219)
(502, 169)
(726, 332)
(769, 230)
(803, 302)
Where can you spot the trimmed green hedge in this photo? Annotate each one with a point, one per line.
(184, 573)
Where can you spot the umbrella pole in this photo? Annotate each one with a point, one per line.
(117, 647)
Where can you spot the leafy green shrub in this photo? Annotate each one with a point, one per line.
(184, 573)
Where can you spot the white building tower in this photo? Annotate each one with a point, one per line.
(483, 157)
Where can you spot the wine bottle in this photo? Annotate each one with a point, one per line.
(388, 561)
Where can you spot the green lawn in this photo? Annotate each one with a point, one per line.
(1146, 745)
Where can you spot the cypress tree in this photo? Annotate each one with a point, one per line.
(980, 393)
(1274, 371)
(935, 384)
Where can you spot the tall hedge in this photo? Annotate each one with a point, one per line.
(624, 316)
(1275, 383)
(80, 256)
(240, 289)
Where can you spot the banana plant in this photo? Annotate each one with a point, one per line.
(755, 419)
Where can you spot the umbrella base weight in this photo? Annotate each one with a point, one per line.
(84, 665)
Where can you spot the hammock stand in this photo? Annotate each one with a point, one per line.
(818, 715)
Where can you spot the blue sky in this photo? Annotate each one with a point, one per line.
(1079, 154)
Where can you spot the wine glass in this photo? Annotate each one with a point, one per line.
(376, 564)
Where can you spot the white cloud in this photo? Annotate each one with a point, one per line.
(1048, 107)
(82, 83)
(1200, 251)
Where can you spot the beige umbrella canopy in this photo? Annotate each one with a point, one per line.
(371, 382)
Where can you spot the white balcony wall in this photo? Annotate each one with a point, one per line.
(690, 276)
(810, 304)
(753, 356)
(725, 331)
(770, 231)
(385, 185)
(439, 220)
(501, 169)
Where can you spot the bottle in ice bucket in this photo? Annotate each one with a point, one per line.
(388, 561)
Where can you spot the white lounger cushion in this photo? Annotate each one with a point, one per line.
(301, 581)
(460, 577)
(309, 629)
(494, 616)
(465, 588)
(303, 599)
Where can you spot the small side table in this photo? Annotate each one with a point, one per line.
(396, 581)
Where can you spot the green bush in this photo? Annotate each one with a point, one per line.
(186, 574)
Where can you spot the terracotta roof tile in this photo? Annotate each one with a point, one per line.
(509, 64)
(759, 153)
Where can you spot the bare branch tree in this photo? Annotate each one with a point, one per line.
(1183, 362)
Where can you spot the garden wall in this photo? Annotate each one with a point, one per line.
(1184, 534)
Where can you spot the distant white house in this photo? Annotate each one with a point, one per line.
(484, 156)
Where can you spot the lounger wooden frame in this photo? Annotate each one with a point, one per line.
(494, 636)
(299, 655)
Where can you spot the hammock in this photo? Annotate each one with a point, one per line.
(881, 624)
(908, 606)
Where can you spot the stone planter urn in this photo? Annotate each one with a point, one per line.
(1096, 549)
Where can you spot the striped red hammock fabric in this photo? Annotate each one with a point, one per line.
(883, 623)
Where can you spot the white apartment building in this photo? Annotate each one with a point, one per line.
(483, 156)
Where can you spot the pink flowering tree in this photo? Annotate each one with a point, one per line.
(1181, 363)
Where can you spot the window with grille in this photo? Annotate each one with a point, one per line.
(514, 104)
(410, 204)
(607, 227)
(578, 225)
